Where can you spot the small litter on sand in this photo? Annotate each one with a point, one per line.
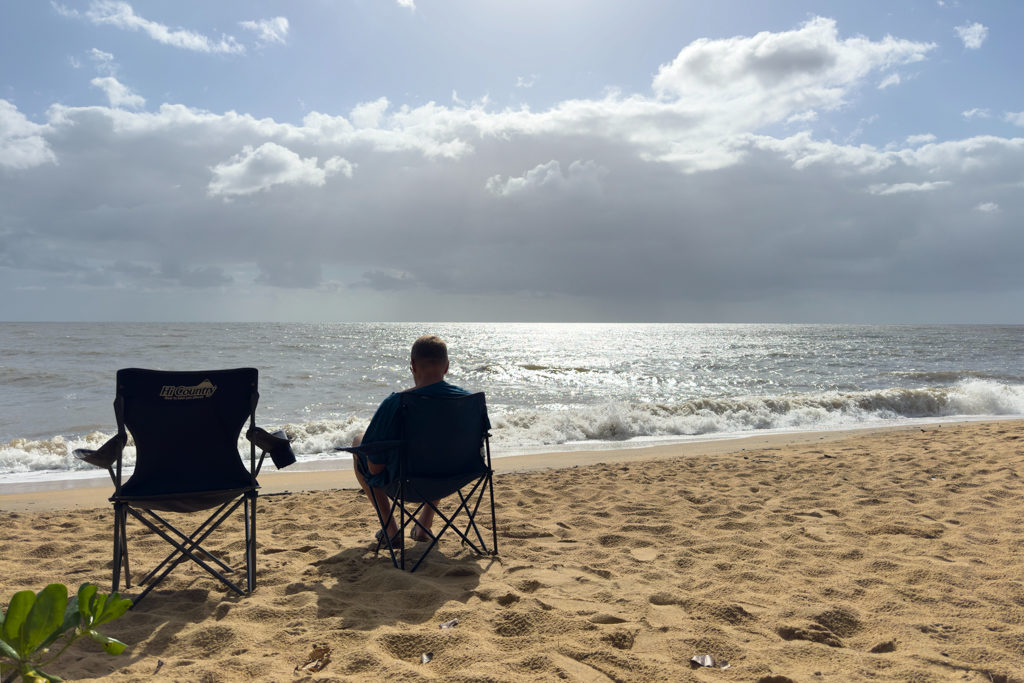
(450, 624)
(426, 657)
(319, 658)
(708, 660)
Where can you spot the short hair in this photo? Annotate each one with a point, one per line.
(430, 348)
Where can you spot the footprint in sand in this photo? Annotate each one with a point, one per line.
(644, 554)
(620, 640)
(513, 625)
(528, 585)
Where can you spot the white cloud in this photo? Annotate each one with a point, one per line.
(987, 207)
(268, 30)
(861, 125)
(340, 165)
(582, 176)
(890, 80)
(22, 143)
(257, 169)
(409, 4)
(915, 140)
(700, 129)
(104, 61)
(803, 152)
(120, 95)
(803, 117)
(526, 81)
(1016, 118)
(810, 65)
(722, 87)
(64, 10)
(371, 114)
(972, 35)
(712, 92)
(100, 57)
(902, 188)
(783, 78)
(985, 154)
(121, 15)
(976, 114)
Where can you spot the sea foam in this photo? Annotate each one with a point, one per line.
(518, 430)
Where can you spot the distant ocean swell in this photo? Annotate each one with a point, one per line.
(537, 429)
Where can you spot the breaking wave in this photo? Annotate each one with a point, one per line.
(524, 429)
(832, 410)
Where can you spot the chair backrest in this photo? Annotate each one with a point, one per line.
(186, 427)
(443, 435)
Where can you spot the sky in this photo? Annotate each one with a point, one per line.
(527, 160)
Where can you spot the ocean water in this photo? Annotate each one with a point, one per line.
(548, 386)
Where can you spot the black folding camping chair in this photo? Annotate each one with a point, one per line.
(186, 427)
(444, 450)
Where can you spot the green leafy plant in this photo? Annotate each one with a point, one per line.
(34, 622)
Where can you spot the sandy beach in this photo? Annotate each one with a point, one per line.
(883, 555)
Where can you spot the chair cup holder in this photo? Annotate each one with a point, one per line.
(276, 445)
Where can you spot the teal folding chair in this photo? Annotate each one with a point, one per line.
(444, 450)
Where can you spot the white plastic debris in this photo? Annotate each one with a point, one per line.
(426, 657)
(703, 660)
(450, 624)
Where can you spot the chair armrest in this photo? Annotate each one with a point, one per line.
(368, 449)
(278, 445)
(374, 460)
(106, 455)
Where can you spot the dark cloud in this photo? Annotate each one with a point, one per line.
(201, 276)
(386, 282)
(290, 273)
(776, 64)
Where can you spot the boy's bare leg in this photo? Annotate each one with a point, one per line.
(426, 518)
(378, 494)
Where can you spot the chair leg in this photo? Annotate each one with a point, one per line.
(488, 484)
(115, 580)
(124, 549)
(183, 551)
(449, 523)
(471, 514)
(433, 541)
(469, 503)
(494, 520)
(401, 527)
(189, 541)
(384, 531)
(250, 542)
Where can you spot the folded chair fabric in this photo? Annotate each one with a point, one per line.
(185, 426)
(444, 451)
